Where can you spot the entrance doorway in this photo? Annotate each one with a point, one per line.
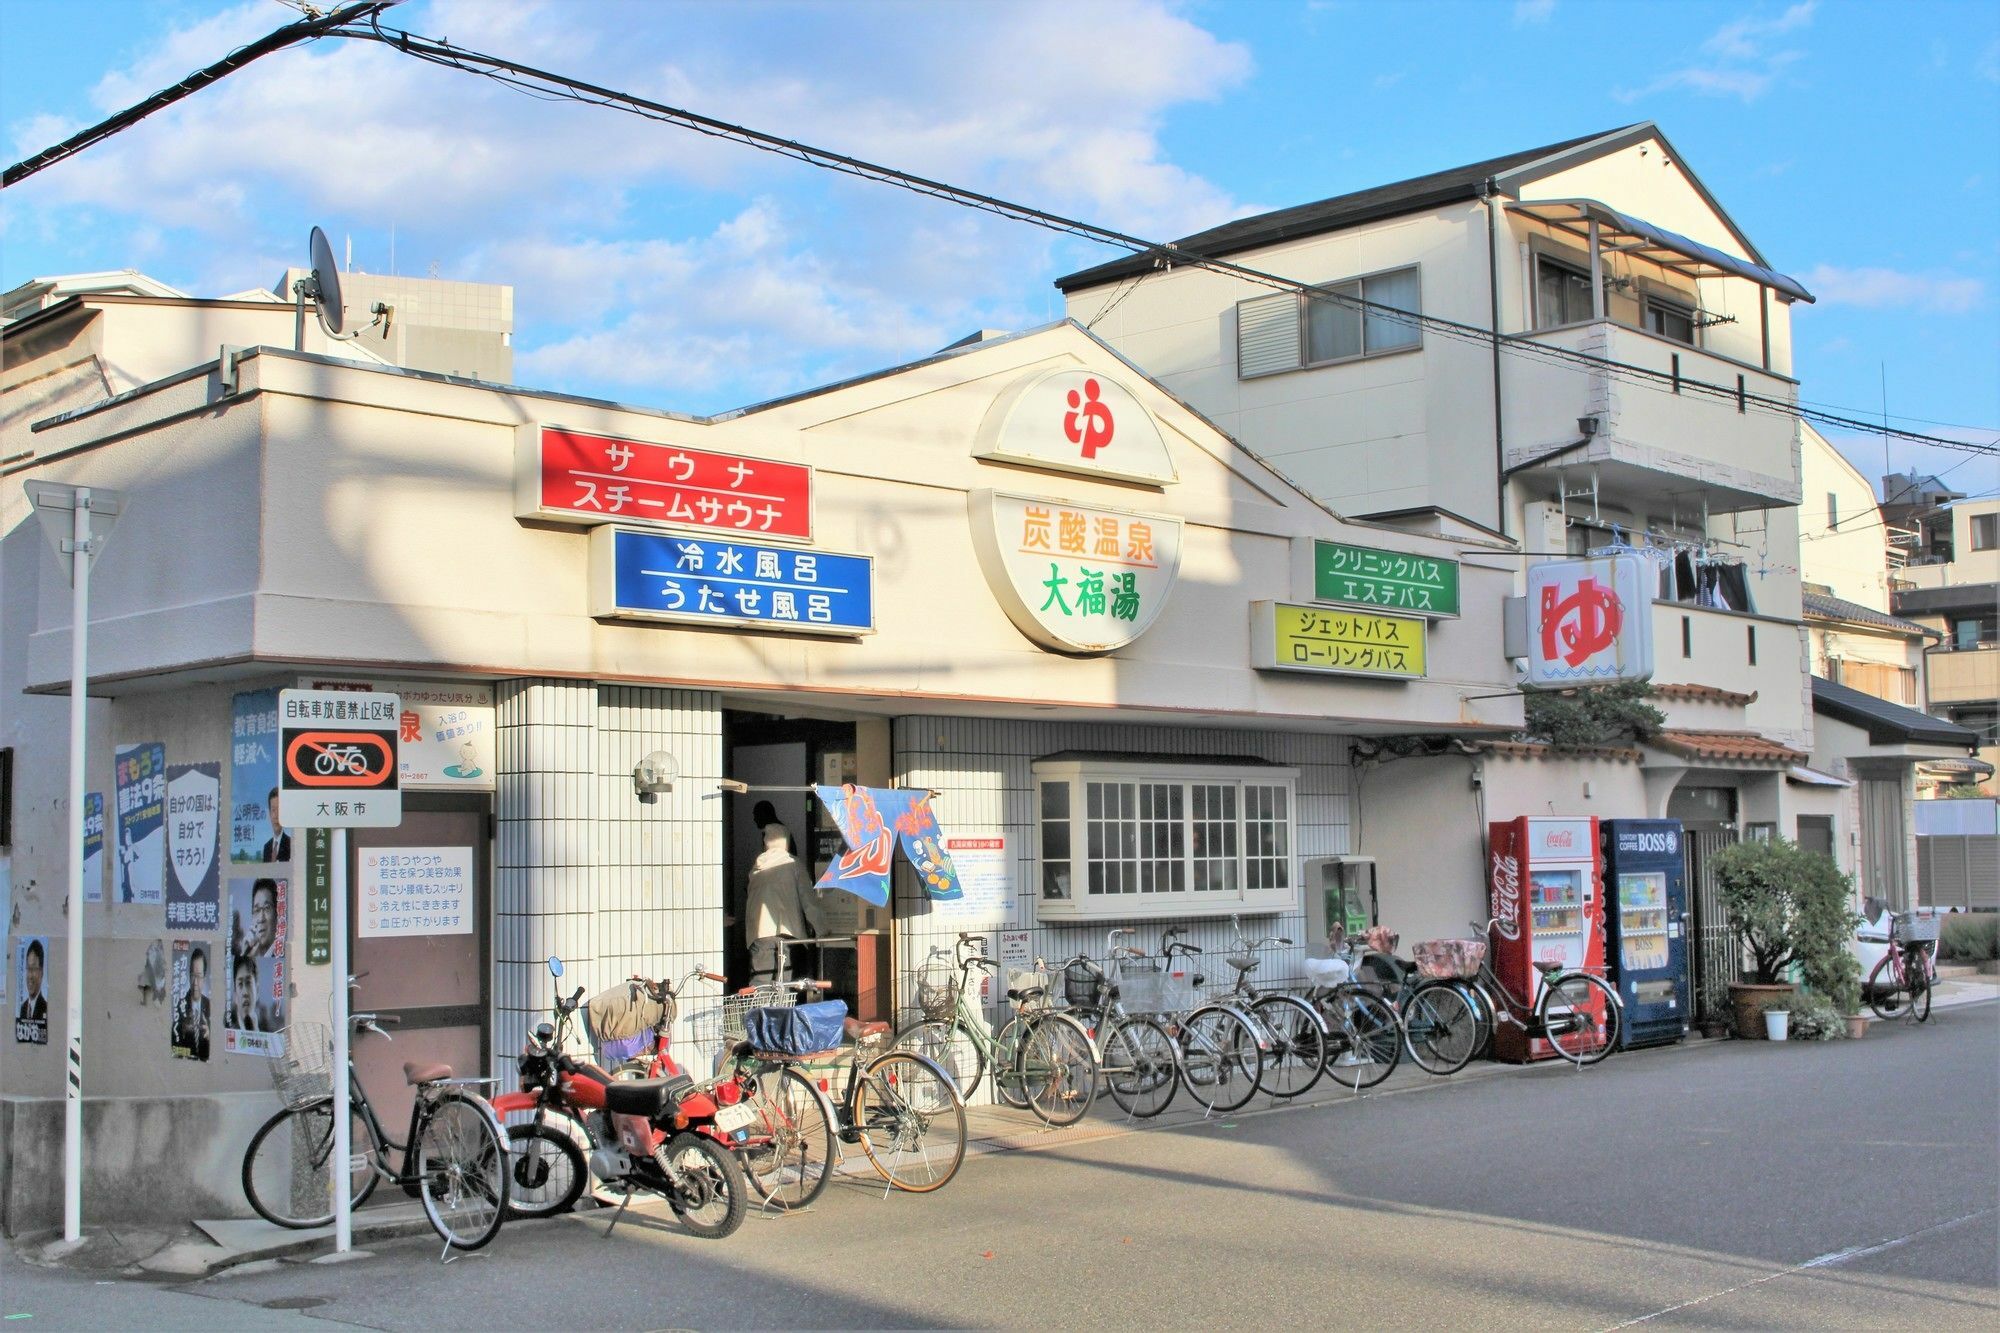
(785, 756)
(1708, 819)
(429, 968)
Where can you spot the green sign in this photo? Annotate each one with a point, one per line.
(1392, 580)
(319, 896)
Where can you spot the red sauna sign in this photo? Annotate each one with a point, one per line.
(576, 477)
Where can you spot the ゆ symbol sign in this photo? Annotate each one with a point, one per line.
(1587, 621)
(1088, 422)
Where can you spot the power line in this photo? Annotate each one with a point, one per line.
(537, 82)
(308, 29)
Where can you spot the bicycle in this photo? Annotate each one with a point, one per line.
(1365, 1038)
(1221, 1047)
(1442, 1031)
(1577, 1014)
(1042, 1059)
(455, 1158)
(902, 1109)
(1136, 1056)
(1901, 983)
(1297, 1034)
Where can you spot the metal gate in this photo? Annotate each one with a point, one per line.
(1712, 954)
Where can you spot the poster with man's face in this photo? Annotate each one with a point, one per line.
(188, 991)
(254, 990)
(31, 974)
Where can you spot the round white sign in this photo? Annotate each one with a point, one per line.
(1076, 578)
(1077, 421)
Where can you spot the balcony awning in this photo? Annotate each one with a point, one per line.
(1627, 235)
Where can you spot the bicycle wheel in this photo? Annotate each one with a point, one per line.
(285, 1174)
(1579, 1015)
(789, 1158)
(547, 1172)
(1439, 1029)
(1298, 1044)
(1221, 1059)
(1366, 1041)
(711, 1200)
(1918, 969)
(1057, 1066)
(1007, 1064)
(911, 1122)
(1483, 1021)
(952, 1047)
(1885, 991)
(462, 1172)
(1140, 1068)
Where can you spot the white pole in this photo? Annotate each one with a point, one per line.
(343, 1136)
(79, 641)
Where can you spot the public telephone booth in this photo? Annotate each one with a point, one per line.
(1340, 890)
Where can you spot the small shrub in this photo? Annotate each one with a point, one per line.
(1787, 905)
(1814, 1018)
(1970, 937)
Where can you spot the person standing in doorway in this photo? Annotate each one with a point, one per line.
(763, 815)
(779, 904)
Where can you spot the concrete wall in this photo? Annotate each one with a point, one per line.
(1849, 555)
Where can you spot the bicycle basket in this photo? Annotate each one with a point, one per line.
(619, 1021)
(1029, 979)
(303, 1073)
(1909, 928)
(1447, 960)
(805, 1029)
(1082, 986)
(1154, 993)
(937, 993)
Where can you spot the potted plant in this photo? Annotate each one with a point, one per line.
(1787, 908)
(1815, 1018)
(1714, 1002)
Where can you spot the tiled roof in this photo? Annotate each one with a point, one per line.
(1822, 606)
(1347, 210)
(1704, 694)
(1887, 723)
(1542, 750)
(1734, 747)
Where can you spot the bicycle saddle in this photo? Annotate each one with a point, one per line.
(1548, 969)
(857, 1028)
(419, 1074)
(1243, 964)
(1031, 993)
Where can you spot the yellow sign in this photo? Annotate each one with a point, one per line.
(1338, 640)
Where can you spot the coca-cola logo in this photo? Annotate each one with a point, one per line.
(1507, 895)
(1562, 837)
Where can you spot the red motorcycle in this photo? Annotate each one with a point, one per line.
(661, 1134)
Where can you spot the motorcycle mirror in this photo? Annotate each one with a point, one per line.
(555, 966)
(545, 1032)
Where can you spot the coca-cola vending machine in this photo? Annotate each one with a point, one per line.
(1547, 906)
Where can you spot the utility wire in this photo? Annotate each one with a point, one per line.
(305, 30)
(362, 21)
(539, 82)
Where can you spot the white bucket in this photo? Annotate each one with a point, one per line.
(1777, 1022)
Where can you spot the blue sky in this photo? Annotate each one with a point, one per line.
(1857, 144)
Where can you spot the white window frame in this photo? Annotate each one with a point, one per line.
(1285, 360)
(1082, 904)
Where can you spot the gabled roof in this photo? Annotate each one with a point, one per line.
(1734, 747)
(1825, 606)
(1887, 723)
(1348, 210)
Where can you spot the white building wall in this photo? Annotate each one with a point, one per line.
(1843, 546)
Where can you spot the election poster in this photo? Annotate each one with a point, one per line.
(254, 832)
(187, 1031)
(31, 975)
(93, 846)
(194, 832)
(254, 1001)
(142, 816)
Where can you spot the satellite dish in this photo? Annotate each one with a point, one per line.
(326, 284)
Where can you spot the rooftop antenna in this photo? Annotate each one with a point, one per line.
(321, 285)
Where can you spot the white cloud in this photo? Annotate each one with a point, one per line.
(1533, 11)
(1744, 59)
(1987, 66)
(1888, 288)
(574, 204)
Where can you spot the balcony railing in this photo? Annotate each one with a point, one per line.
(1964, 675)
(1690, 431)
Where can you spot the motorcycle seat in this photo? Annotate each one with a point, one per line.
(856, 1028)
(419, 1074)
(645, 1096)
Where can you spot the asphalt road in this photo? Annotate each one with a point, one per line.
(1731, 1185)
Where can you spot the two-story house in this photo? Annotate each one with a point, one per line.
(1571, 346)
(1951, 583)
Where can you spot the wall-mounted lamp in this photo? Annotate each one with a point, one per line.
(655, 774)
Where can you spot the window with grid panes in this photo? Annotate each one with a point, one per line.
(1140, 840)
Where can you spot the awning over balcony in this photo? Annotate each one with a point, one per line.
(1627, 235)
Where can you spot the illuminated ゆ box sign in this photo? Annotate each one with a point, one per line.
(1331, 640)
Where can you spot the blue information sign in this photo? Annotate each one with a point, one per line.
(703, 581)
